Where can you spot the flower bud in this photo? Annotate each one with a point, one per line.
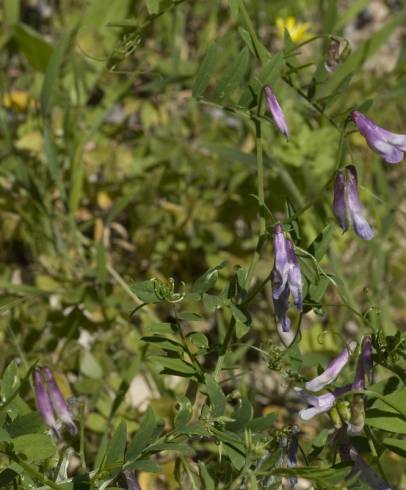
(58, 401)
(43, 401)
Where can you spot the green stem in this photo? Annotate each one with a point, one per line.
(261, 200)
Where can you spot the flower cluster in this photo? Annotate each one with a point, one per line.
(323, 403)
(51, 403)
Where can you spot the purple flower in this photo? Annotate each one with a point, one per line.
(364, 365)
(128, 480)
(348, 453)
(332, 370)
(346, 205)
(50, 401)
(43, 401)
(389, 146)
(58, 401)
(320, 404)
(276, 111)
(286, 278)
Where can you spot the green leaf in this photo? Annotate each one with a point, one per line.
(146, 291)
(199, 340)
(35, 447)
(10, 381)
(152, 6)
(25, 424)
(205, 71)
(206, 281)
(242, 415)
(170, 446)
(261, 424)
(243, 320)
(90, 366)
(207, 480)
(216, 396)
(36, 49)
(51, 79)
(326, 477)
(388, 416)
(160, 328)
(397, 446)
(181, 368)
(143, 465)
(164, 343)
(320, 244)
(189, 316)
(212, 301)
(185, 412)
(147, 433)
(116, 448)
(232, 77)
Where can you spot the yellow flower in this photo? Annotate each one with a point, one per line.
(298, 31)
(16, 99)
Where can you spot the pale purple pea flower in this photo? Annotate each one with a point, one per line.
(58, 401)
(320, 404)
(391, 147)
(276, 111)
(43, 401)
(346, 205)
(286, 278)
(332, 371)
(361, 469)
(51, 403)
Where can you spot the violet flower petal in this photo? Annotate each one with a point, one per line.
(281, 261)
(58, 401)
(355, 210)
(43, 401)
(332, 370)
(276, 111)
(320, 404)
(389, 146)
(294, 276)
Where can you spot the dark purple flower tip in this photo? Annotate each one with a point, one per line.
(339, 202)
(389, 146)
(346, 204)
(43, 401)
(58, 401)
(332, 371)
(276, 111)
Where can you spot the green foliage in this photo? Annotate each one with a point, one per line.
(142, 175)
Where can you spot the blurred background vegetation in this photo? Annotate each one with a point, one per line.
(112, 173)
